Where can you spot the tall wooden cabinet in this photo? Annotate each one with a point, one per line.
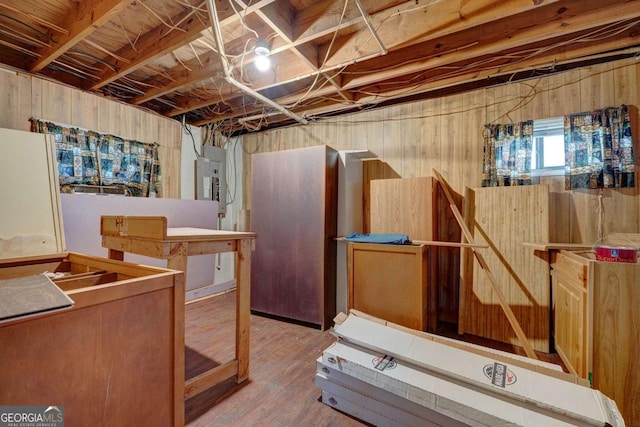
(397, 283)
(596, 324)
(503, 218)
(294, 213)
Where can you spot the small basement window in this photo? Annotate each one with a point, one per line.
(547, 157)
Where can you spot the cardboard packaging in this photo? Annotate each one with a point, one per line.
(375, 366)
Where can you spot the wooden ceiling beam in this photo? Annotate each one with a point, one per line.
(376, 71)
(326, 17)
(562, 55)
(210, 65)
(227, 92)
(408, 23)
(155, 43)
(282, 21)
(522, 37)
(161, 40)
(87, 16)
(182, 77)
(277, 19)
(313, 22)
(475, 11)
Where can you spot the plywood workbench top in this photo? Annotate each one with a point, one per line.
(155, 228)
(191, 233)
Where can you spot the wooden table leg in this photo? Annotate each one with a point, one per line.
(243, 308)
(177, 259)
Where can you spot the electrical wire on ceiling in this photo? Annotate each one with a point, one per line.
(603, 33)
(313, 89)
(326, 56)
(186, 129)
(90, 60)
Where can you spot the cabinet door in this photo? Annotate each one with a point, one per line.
(570, 322)
(389, 282)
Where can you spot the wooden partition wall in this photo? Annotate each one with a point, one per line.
(446, 134)
(23, 96)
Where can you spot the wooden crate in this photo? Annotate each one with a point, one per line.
(116, 358)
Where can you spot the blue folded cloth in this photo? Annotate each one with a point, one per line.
(389, 238)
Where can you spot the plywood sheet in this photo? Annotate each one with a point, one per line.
(81, 213)
(504, 218)
(403, 206)
(31, 223)
(30, 295)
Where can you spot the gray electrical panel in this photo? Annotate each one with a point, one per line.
(211, 177)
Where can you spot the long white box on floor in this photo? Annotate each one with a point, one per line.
(455, 383)
(373, 404)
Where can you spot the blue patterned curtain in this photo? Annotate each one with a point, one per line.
(93, 159)
(507, 154)
(599, 149)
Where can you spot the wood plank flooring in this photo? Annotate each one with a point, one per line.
(280, 390)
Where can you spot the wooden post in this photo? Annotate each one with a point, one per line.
(243, 308)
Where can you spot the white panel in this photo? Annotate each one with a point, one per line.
(29, 194)
(350, 200)
(81, 214)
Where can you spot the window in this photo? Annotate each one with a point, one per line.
(548, 145)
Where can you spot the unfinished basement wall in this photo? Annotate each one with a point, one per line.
(446, 134)
(23, 96)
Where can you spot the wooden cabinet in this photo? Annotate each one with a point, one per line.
(596, 325)
(294, 213)
(503, 218)
(389, 282)
(570, 303)
(397, 282)
(115, 359)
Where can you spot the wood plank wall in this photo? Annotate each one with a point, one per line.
(446, 134)
(23, 96)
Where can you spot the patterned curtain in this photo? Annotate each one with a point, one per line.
(89, 158)
(507, 154)
(599, 149)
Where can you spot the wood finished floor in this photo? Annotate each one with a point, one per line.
(280, 390)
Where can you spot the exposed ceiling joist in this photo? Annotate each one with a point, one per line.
(86, 17)
(329, 56)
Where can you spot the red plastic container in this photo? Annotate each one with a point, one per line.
(616, 254)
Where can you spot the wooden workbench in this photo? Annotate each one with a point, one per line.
(149, 236)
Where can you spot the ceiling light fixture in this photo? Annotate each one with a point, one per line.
(262, 51)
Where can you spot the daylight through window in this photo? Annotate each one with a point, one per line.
(548, 144)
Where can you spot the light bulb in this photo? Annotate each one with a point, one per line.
(263, 63)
